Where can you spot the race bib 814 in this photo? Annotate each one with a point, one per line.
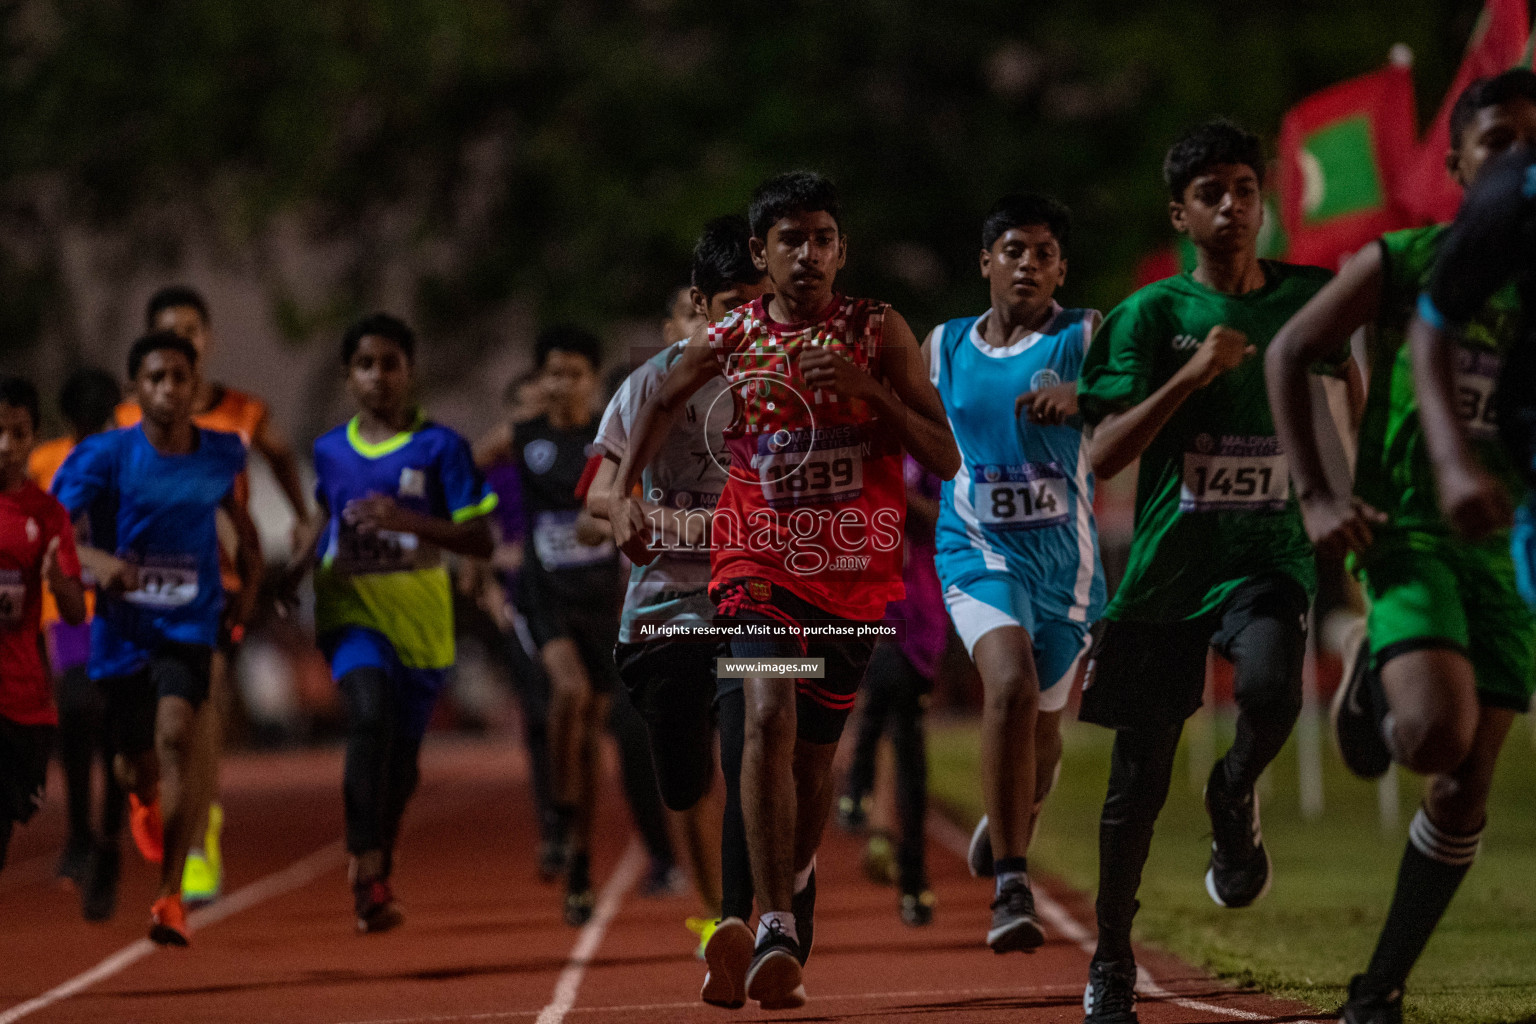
(1023, 497)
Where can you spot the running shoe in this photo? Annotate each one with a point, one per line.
(774, 978)
(374, 903)
(1371, 1006)
(1240, 872)
(578, 906)
(1015, 927)
(728, 952)
(74, 860)
(147, 829)
(978, 856)
(703, 927)
(203, 876)
(1358, 710)
(168, 922)
(853, 813)
(662, 880)
(1110, 997)
(879, 859)
(803, 905)
(98, 894)
(916, 907)
(553, 859)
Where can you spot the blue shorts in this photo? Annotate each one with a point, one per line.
(981, 603)
(417, 689)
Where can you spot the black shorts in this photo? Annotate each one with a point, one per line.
(672, 685)
(1153, 673)
(821, 705)
(593, 628)
(132, 702)
(24, 751)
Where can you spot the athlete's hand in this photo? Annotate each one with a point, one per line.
(1473, 501)
(1223, 349)
(1048, 406)
(825, 370)
(120, 578)
(631, 530)
(51, 572)
(1336, 525)
(376, 512)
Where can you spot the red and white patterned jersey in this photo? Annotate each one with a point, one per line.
(815, 501)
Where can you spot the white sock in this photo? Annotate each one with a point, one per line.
(803, 877)
(785, 920)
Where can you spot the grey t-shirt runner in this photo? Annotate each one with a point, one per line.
(689, 472)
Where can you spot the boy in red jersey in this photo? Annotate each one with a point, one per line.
(37, 543)
(806, 539)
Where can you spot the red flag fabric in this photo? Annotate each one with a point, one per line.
(1341, 151)
(1497, 44)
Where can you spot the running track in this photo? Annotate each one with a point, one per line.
(483, 941)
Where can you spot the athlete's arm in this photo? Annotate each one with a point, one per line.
(68, 592)
(305, 537)
(910, 403)
(494, 447)
(273, 444)
(1121, 437)
(693, 529)
(696, 367)
(1335, 522)
(248, 562)
(472, 537)
(111, 573)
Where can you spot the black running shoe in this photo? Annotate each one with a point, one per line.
(578, 905)
(1369, 1005)
(916, 907)
(853, 813)
(375, 905)
(75, 860)
(98, 894)
(1015, 928)
(1110, 997)
(803, 905)
(774, 978)
(1359, 707)
(1239, 872)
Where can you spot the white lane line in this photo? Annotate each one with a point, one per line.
(950, 836)
(619, 883)
(297, 874)
(852, 997)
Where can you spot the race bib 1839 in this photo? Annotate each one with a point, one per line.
(165, 582)
(1477, 375)
(810, 467)
(1241, 473)
(13, 597)
(1020, 497)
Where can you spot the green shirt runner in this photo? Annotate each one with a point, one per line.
(1214, 506)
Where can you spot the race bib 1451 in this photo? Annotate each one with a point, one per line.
(1234, 473)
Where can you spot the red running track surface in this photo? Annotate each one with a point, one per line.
(483, 939)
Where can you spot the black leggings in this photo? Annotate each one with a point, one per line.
(638, 773)
(532, 687)
(735, 864)
(894, 693)
(381, 766)
(81, 739)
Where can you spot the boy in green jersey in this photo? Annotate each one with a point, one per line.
(1452, 648)
(1218, 559)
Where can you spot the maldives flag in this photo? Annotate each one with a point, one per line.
(1341, 151)
(1497, 44)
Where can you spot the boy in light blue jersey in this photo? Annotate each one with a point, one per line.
(148, 495)
(1017, 550)
(395, 491)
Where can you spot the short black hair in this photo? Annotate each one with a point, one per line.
(88, 399)
(567, 338)
(157, 341)
(1026, 209)
(20, 393)
(1490, 91)
(170, 297)
(795, 192)
(722, 258)
(1211, 145)
(383, 325)
(674, 293)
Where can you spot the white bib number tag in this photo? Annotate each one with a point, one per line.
(382, 551)
(13, 598)
(556, 544)
(1236, 474)
(1020, 497)
(164, 585)
(810, 468)
(1477, 376)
